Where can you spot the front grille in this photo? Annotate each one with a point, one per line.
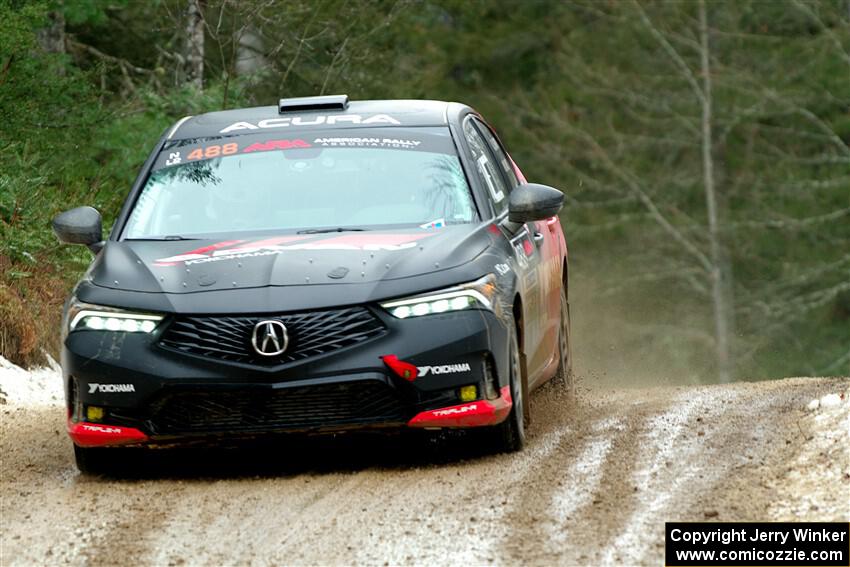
(310, 333)
(303, 407)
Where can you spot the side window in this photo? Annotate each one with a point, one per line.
(487, 170)
(499, 152)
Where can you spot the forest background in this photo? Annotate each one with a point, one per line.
(703, 148)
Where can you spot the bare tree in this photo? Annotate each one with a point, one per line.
(718, 289)
(660, 126)
(194, 52)
(51, 38)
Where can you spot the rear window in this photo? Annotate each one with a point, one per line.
(352, 178)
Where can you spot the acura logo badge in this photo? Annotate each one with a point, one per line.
(270, 338)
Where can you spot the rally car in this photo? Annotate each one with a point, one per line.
(321, 265)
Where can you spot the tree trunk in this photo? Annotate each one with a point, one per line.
(719, 266)
(52, 37)
(195, 45)
(249, 53)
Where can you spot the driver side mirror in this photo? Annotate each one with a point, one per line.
(82, 225)
(533, 202)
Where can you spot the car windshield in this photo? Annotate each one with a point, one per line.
(346, 179)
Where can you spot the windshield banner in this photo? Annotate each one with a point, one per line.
(305, 146)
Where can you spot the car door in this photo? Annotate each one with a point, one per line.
(494, 169)
(548, 273)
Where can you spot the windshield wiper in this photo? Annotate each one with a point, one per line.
(169, 237)
(337, 229)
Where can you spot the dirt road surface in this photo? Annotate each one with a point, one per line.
(594, 486)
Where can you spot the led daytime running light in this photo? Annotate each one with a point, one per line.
(114, 321)
(466, 296)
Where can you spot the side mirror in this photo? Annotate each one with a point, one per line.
(82, 225)
(533, 202)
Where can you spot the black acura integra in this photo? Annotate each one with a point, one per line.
(317, 266)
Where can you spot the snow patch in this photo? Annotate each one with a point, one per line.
(32, 388)
(828, 401)
(815, 488)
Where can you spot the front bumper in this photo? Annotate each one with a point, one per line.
(148, 394)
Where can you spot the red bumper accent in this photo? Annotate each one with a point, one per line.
(96, 435)
(404, 369)
(473, 414)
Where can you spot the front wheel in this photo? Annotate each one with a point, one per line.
(565, 379)
(510, 434)
(99, 460)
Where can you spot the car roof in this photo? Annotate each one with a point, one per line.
(370, 112)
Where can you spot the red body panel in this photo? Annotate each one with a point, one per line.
(473, 414)
(404, 369)
(95, 435)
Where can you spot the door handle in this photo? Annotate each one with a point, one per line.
(538, 238)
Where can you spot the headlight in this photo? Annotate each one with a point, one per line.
(85, 316)
(479, 294)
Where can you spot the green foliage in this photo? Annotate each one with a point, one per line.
(586, 96)
(88, 12)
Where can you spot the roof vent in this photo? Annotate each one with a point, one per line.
(306, 103)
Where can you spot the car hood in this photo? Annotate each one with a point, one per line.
(329, 259)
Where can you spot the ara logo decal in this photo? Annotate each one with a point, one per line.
(315, 121)
(276, 145)
(110, 388)
(444, 369)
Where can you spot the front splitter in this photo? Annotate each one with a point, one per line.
(85, 434)
(474, 414)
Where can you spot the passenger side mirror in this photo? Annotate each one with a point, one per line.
(82, 225)
(533, 202)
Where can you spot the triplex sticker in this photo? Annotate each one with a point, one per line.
(101, 428)
(455, 410)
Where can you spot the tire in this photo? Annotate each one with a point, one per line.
(97, 461)
(565, 380)
(509, 436)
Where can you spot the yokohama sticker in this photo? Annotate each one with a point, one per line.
(444, 369)
(111, 388)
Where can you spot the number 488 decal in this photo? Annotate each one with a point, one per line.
(213, 151)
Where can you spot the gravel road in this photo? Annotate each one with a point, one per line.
(594, 486)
